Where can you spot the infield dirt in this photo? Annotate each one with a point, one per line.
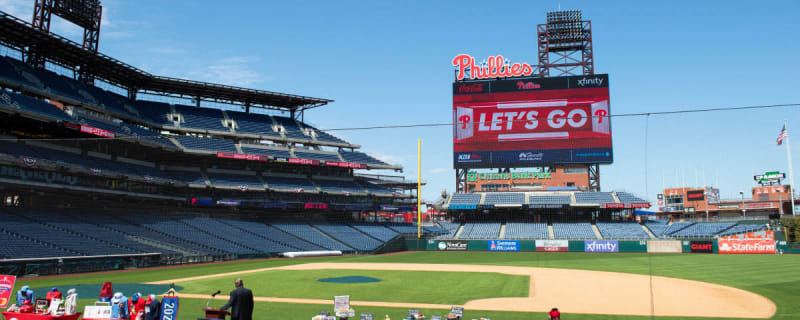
(572, 291)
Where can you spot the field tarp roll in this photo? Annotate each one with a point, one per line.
(664, 246)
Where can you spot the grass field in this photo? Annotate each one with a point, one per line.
(404, 286)
(776, 277)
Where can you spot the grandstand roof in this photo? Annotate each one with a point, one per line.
(20, 34)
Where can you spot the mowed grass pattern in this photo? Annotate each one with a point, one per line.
(776, 277)
(396, 286)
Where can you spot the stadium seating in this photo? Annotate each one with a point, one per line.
(526, 230)
(621, 230)
(625, 197)
(593, 197)
(206, 144)
(232, 234)
(349, 236)
(703, 229)
(549, 199)
(272, 234)
(376, 231)
(190, 177)
(13, 101)
(504, 198)
(291, 129)
(465, 199)
(316, 156)
(360, 157)
(657, 227)
(742, 228)
(375, 189)
(201, 118)
(677, 226)
(581, 230)
(155, 112)
(451, 227)
(339, 186)
(307, 233)
(480, 230)
(273, 152)
(289, 184)
(249, 182)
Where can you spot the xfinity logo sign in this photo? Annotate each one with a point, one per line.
(530, 156)
(594, 82)
(601, 246)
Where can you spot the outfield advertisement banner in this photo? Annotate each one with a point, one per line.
(701, 247)
(601, 246)
(453, 245)
(746, 246)
(552, 245)
(503, 245)
(6, 286)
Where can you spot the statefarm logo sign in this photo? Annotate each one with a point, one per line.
(746, 246)
(492, 67)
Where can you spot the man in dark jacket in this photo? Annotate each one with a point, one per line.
(153, 310)
(241, 301)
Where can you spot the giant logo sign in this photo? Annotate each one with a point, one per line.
(601, 246)
(492, 67)
(701, 246)
(746, 246)
(531, 122)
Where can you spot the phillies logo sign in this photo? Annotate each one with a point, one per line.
(492, 67)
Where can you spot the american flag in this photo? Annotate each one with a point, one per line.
(782, 135)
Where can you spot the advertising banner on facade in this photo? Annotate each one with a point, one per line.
(531, 121)
(452, 245)
(701, 246)
(552, 245)
(6, 286)
(97, 131)
(746, 246)
(503, 245)
(601, 246)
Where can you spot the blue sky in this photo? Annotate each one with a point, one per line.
(388, 63)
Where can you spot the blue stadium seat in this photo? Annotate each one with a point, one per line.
(622, 230)
(480, 230)
(580, 230)
(526, 230)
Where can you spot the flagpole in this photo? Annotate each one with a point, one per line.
(789, 159)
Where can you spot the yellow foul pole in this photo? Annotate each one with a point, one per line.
(419, 188)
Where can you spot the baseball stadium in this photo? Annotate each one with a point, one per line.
(119, 180)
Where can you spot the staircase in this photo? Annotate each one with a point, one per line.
(503, 231)
(550, 233)
(597, 232)
(458, 233)
(650, 233)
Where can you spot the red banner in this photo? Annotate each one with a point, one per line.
(755, 235)
(304, 161)
(6, 285)
(240, 156)
(97, 131)
(746, 246)
(625, 205)
(346, 164)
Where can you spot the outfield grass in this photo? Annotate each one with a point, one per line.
(776, 277)
(395, 286)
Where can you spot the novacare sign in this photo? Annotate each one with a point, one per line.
(601, 246)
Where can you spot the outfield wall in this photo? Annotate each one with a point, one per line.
(600, 246)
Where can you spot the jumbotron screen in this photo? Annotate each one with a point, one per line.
(526, 122)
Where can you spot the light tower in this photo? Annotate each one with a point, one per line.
(565, 45)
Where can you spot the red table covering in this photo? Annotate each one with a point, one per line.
(34, 316)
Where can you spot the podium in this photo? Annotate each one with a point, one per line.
(215, 313)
